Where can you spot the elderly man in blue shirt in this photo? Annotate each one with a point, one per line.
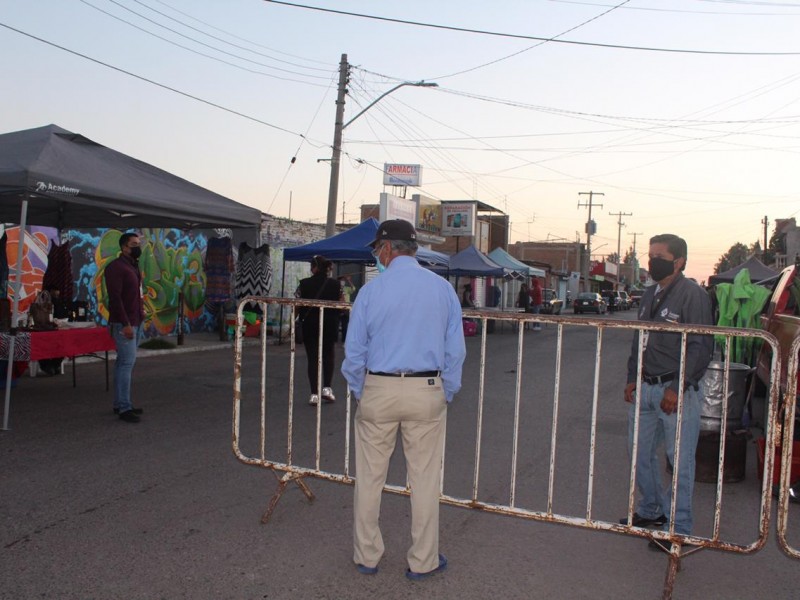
(403, 359)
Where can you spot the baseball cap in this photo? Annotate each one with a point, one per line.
(394, 229)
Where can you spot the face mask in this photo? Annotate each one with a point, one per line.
(136, 252)
(661, 268)
(378, 263)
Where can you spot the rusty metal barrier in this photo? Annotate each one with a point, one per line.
(293, 472)
(790, 407)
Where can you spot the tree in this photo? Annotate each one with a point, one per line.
(612, 258)
(736, 255)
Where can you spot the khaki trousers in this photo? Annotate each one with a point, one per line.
(417, 407)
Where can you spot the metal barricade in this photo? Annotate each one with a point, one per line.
(790, 407)
(294, 472)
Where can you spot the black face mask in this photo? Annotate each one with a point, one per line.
(136, 252)
(660, 268)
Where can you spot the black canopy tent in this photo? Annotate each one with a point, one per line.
(52, 177)
(758, 272)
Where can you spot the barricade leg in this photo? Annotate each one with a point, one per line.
(282, 483)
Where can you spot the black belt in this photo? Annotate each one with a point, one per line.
(414, 374)
(657, 379)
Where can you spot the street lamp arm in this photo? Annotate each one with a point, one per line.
(386, 93)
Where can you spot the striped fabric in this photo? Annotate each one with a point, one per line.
(253, 271)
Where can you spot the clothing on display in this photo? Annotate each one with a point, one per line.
(220, 267)
(3, 266)
(253, 271)
(58, 275)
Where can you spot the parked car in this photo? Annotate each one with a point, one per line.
(627, 298)
(614, 300)
(551, 303)
(589, 302)
(636, 297)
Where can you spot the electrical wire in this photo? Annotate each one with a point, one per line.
(555, 37)
(286, 62)
(157, 84)
(529, 37)
(120, 19)
(236, 37)
(300, 145)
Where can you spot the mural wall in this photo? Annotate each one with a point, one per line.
(171, 262)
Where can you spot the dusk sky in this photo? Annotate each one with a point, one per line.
(684, 113)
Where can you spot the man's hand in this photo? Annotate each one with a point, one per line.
(669, 403)
(127, 331)
(629, 390)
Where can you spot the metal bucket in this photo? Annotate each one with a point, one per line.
(712, 389)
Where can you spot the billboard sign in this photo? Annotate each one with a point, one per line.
(429, 214)
(394, 207)
(458, 218)
(395, 174)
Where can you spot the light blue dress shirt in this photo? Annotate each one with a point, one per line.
(407, 319)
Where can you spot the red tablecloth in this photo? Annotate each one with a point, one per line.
(37, 345)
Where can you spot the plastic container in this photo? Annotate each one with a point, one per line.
(712, 390)
(776, 470)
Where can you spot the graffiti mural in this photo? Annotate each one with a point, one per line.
(171, 263)
(34, 261)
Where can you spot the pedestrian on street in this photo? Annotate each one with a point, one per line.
(349, 292)
(536, 302)
(125, 319)
(320, 286)
(675, 299)
(403, 359)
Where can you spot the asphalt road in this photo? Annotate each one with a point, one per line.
(93, 508)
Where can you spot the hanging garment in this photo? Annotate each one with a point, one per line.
(3, 267)
(253, 271)
(740, 305)
(219, 267)
(58, 275)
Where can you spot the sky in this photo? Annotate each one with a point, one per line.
(682, 115)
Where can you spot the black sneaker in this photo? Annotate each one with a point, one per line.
(129, 417)
(640, 521)
(136, 411)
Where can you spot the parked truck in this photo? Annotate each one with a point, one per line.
(782, 319)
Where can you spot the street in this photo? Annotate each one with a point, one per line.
(95, 508)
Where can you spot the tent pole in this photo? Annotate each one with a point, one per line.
(15, 309)
(283, 283)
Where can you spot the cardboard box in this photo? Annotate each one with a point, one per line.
(776, 472)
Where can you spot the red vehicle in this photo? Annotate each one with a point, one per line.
(781, 319)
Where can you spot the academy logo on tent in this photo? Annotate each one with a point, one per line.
(44, 187)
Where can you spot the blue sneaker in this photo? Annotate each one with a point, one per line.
(418, 576)
(364, 570)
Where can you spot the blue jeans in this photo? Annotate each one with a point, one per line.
(123, 366)
(656, 427)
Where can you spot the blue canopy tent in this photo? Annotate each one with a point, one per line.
(504, 259)
(351, 246)
(471, 262)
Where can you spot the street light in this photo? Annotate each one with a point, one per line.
(333, 191)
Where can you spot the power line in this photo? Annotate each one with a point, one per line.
(214, 37)
(156, 83)
(528, 37)
(105, 12)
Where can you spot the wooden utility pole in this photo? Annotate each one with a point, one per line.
(765, 222)
(635, 257)
(333, 190)
(619, 216)
(589, 231)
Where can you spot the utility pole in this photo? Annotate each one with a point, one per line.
(589, 231)
(344, 203)
(765, 222)
(340, 126)
(619, 216)
(333, 190)
(635, 257)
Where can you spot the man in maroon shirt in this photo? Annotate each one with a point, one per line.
(125, 318)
